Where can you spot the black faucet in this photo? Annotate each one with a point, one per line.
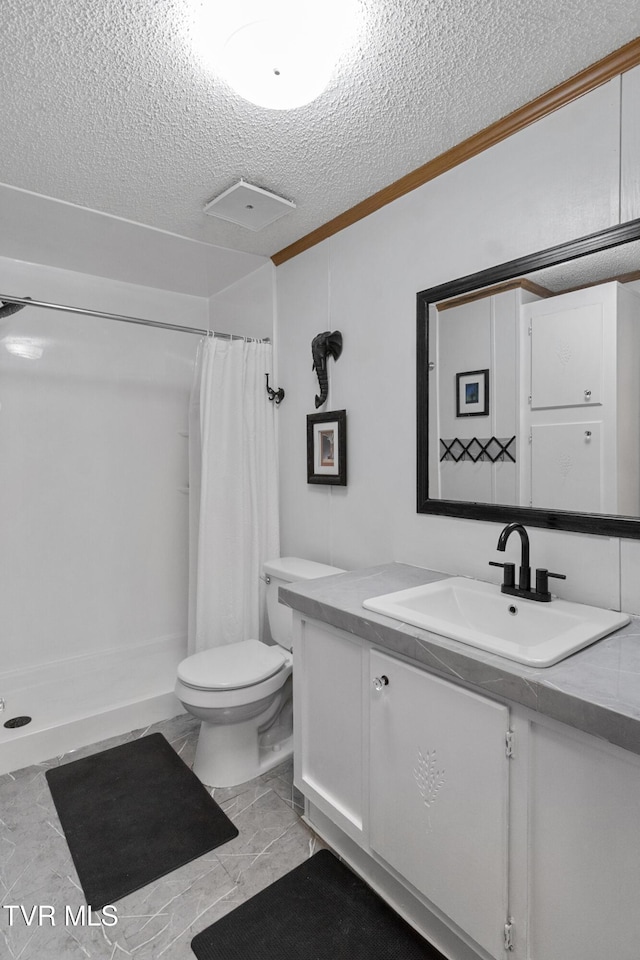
(523, 589)
(524, 574)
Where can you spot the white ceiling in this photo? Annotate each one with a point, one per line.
(106, 105)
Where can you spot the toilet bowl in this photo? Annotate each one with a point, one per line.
(242, 692)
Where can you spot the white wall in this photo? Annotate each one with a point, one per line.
(246, 306)
(556, 180)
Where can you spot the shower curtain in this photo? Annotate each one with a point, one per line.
(233, 491)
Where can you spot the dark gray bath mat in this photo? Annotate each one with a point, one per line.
(132, 814)
(319, 911)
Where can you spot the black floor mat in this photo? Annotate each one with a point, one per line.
(132, 814)
(319, 911)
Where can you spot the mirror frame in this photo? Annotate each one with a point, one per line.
(601, 524)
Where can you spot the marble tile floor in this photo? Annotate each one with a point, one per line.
(159, 920)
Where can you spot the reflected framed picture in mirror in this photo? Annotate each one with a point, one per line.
(327, 447)
(472, 393)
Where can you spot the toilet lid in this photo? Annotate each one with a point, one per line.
(231, 666)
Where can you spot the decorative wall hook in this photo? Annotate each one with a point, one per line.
(277, 395)
(325, 344)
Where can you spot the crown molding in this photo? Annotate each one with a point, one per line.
(616, 63)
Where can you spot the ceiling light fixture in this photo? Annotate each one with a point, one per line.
(278, 54)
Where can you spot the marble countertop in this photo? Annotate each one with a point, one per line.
(596, 690)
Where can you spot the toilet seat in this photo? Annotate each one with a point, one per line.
(232, 666)
(200, 696)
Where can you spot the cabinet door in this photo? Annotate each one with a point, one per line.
(566, 357)
(439, 794)
(328, 741)
(567, 467)
(584, 848)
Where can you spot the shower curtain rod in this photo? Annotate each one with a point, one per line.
(28, 302)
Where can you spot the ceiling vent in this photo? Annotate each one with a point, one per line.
(248, 206)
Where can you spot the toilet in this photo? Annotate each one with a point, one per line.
(242, 692)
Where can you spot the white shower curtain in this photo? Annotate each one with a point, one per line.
(233, 486)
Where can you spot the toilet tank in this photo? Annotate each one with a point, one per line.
(280, 572)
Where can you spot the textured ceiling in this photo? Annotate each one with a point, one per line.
(105, 104)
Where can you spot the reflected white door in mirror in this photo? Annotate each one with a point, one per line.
(534, 398)
(579, 403)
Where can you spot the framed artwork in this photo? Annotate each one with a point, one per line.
(327, 447)
(472, 393)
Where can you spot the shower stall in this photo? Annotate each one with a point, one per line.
(94, 519)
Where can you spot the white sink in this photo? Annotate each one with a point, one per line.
(476, 613)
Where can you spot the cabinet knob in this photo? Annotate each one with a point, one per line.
(380, 682)
(587, 394)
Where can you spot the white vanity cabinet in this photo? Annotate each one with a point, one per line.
(498, 832)
(411, 767)
(438, 793)
(583, 847)
(328, 743)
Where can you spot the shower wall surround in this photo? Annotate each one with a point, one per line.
(571, 173)
(93, 509)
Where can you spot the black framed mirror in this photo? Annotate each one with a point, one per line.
(503, 447)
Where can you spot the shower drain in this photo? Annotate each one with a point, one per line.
(17, 722)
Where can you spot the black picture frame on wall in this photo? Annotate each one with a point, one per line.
(472, 393)
(327, 448)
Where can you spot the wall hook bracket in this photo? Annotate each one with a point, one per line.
(277, 395)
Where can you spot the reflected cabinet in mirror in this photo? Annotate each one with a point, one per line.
(528, 389)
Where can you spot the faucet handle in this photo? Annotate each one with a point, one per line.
(542, 581)
(509, 572)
